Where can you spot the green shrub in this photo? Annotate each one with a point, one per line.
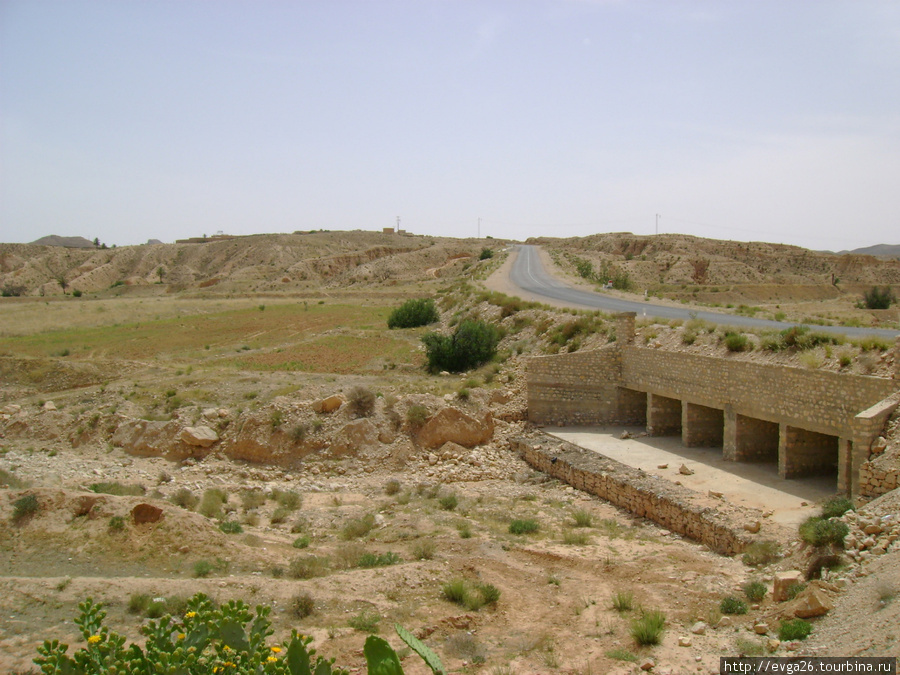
(211, 503)
(25, 507)
(116, 524)
(204, 638)
(732, 605)
(648, 628)
(471, 596)
(623, 601)
(620, 654)
(370, 560)
(761, 553)
(302, 605)
(10, 480)
(794, 590)
(365, 622)
(424, 550)
(486, 254)
(252, 499)
(737, 342)
(138, 603)
(231, 527)
(755, 590)
(301, 542)
(836, 507)
(185, 499)
(878, 298)
(798, 629)
(279, 515)
(583, 519)
(413, 313)
(392, 487)
(203, 568)
(416, 416)
(818, 531)
(361, 401)
(472, 344)
(527, 526)
(288, 499)
(307, 567)
(357, 527)
(449, 502)
(118, 489)
(576, 538)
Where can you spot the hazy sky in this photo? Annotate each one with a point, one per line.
(754, 120)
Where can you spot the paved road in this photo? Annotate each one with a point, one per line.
(528, 273)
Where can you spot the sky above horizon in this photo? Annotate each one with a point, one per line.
(762, 120)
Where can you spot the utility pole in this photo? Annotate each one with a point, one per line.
(657, 223)
(398, 224)
(479, 228)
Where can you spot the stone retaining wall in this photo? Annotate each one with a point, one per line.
(675, 507)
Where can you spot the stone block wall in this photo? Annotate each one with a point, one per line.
(806, 453)
(752, 440)
(663, 415)
(674, 507)
(577, 388)
(701, 426)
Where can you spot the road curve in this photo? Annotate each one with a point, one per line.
(528, 274)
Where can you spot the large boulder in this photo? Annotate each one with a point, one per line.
(199, 436)
(811, 602)
(328, 405)
(355, 437)
(150, 439)
(783, 583)
(453, 425)
(146, 513)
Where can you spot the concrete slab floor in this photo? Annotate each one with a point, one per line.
(753, 485)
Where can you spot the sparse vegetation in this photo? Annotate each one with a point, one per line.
(358, 527)
(623, 601)
(302, 605)
(732, 605)
(472, 596)
(231, 527)
(524, 526)
(648, 628)
(761, 553)
(307, 567)
(878, 298)
(118, 489)
(25, 507)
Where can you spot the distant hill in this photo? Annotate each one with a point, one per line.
(884, 250)
(67, 242)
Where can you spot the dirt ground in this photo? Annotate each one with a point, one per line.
(73, 372)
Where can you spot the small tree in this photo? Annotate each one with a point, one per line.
(486, 254)
(472, 344)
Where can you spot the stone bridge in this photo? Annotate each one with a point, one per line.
(808, 422)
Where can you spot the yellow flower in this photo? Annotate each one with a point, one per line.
(276, 649)
(190, 615)
(271, 659)
(94, 639)
(181, 636)
(229, 663)
(227, 648)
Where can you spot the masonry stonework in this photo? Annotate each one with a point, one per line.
(809, 420)
(675, 507)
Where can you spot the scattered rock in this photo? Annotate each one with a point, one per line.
(648, 664)
(772, 645)
(699, 628)
(684, 641)
(760, 628)
(715, 495)
(146, 513)
(753, 527)
(663, 466)
(625, 435)
(724, 622)
(49, 405)
(685, 471)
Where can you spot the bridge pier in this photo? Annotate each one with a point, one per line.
(663, 415)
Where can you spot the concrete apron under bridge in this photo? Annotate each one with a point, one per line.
(755, 485)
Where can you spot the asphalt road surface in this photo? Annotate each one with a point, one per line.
(528, 273)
